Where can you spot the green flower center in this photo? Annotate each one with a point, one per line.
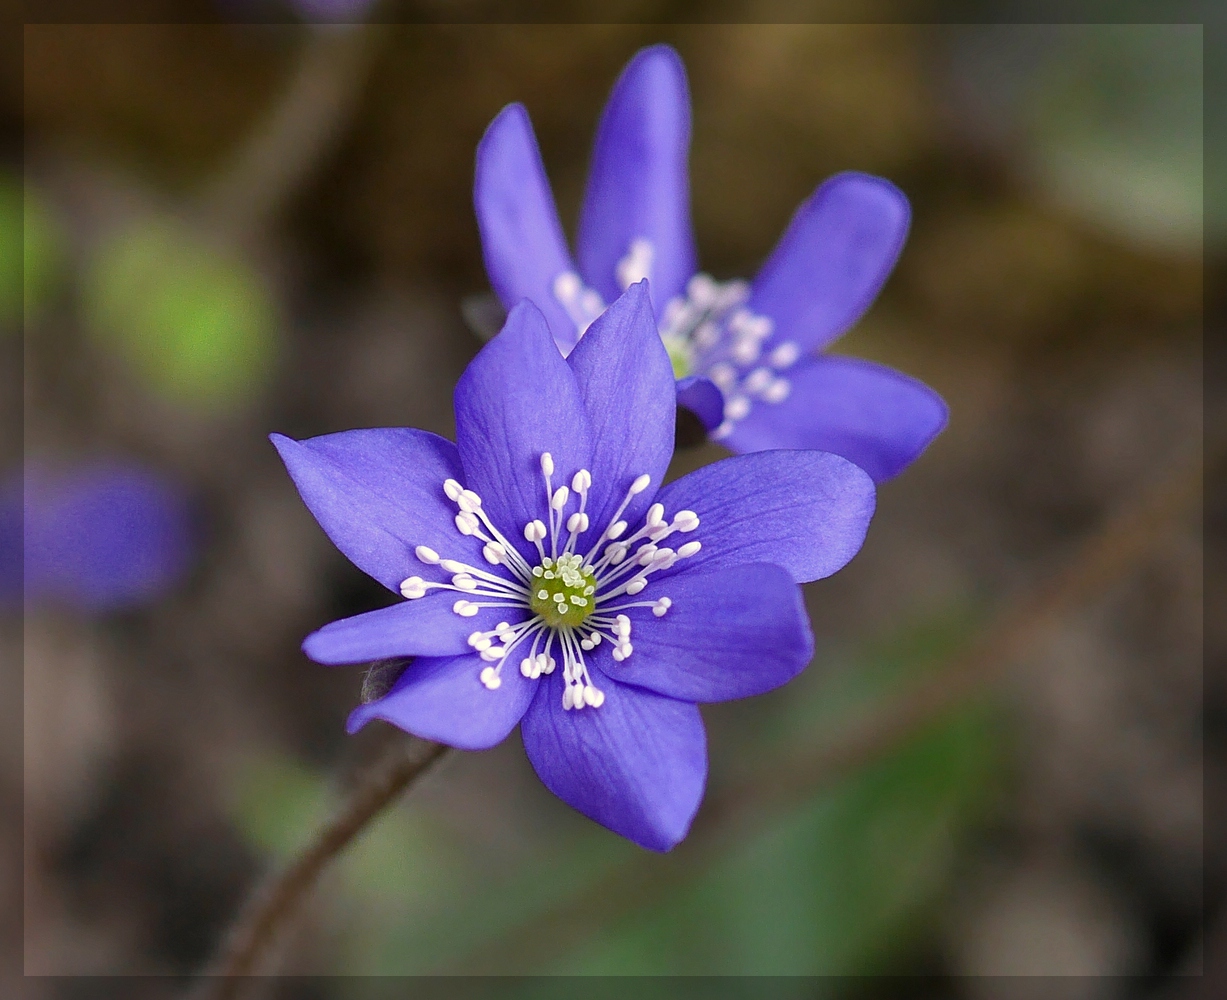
(562, 590)
(680, 356)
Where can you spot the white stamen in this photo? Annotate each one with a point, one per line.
(655, 515)
(466, 523)
(426, 554)
(534, 531)
(547, 463)
(723, 374)
(736, 408)
(453, 489)
(757, 381)
(637, 264)
(616, 531)
(689, 549)
(685, 520)
(490, 678)
(466, 609)
(661, 606)
(577, 523)
(493, 553)
(777, 391)
(413, 588)
(581, 482)
(785, 355)
(560, 498)
(468, 500)
(635, 586)
(640, 484)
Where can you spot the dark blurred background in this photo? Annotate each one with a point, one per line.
(235, 229)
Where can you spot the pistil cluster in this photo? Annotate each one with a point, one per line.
(571, 600)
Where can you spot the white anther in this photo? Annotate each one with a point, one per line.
(689, 549)
(659, 532)
(526, 667)
(568, 699)
(466, 609)
(707, 335)
(616, 552)
(493, 654)
(645, 554)
(490, 678)
(534, 531)
(619, 527)
(462, 581)
(758, 380)
(635, 586)
(481, 644)
(581, 482)
(596, 638)
(665, 554)
(469, 500)
(746, 350)
(685, 521)
(413, 588)
(640, 484)
(618, 654)
(622, 625)
(636, 265)
(547, 460)
(592, 696)
(785, 355)
(675, 310)
(474, 638)
(736, 408)
(427, 554)
(452, 566)
(702, 289)
(453, 489)
(466, 523)
(723, 374)
(577, 523)
(777, 391)
(560, 498)
(586, 644)
(494, 553)
(567, 286)
(656, 515)
(591, 303)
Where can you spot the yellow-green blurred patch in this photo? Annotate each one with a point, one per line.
(195, 320)
(30, 251)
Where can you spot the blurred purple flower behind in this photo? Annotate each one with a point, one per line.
(98, 537)
(333, 11)
(542, 586)
(754, 342)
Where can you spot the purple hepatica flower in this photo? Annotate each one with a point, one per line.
(550, 583)
(754, 341)
(103, 537)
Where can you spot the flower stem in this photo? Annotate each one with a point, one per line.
(266, 911)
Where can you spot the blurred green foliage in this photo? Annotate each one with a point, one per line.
(31, 251)
(835, 884)
(195, 320)
(1116, 128)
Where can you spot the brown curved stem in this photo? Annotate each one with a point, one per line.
(280, 896)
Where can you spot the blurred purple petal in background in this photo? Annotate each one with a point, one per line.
(99, 537)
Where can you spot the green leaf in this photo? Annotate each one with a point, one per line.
(193, 319)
